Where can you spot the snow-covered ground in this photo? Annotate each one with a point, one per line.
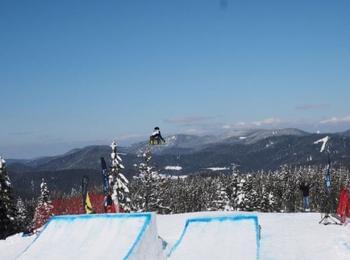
(283, 236)
(13, 245)
(111, 236)
(173, 168)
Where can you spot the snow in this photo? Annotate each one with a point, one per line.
(284, 236)
(111, 236)
(173, 177)
(214, 169)
(173, 168)
(114, 145)
(223, 233)
(156, 132)
(323, 141)
(269, 144)
(2, 162)
(13, 245)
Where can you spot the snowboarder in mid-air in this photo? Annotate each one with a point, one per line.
(156, 137)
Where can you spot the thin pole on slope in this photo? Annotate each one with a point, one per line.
(328, 218)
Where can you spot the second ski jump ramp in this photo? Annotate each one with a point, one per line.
(223, 237)
(100, 236)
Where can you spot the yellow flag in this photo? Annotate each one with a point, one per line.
(88, 207)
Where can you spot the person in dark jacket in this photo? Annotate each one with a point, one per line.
(305, 189)
(108, 204)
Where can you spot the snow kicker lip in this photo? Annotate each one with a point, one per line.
(69, 218)
(232, 218)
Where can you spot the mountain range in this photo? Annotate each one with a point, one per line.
(251, 149)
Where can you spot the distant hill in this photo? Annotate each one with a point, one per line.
(346, 133)
(249, 149)
(255, 135)
(84, 158)
(27, 185)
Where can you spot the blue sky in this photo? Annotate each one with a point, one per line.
(83, 72)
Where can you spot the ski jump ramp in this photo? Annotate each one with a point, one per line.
(224, 237)
(97, 236)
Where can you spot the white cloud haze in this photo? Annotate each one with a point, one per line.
(336, 120)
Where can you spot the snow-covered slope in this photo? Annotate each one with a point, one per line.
(110, 236)
(251, 136)
(283, 236)
(13, 245)
(224, 233)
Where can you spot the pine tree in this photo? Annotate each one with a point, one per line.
(220, 200)
(247, 197)
(43, 210)
(267, 197)
(267, 200)
(149, 196)
(7, 204)
(118, 182)
(233, 188)
(22, 216)
(194, 189)
(177, 194)
(283, 189)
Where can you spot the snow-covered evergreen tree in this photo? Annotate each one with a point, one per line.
(149, 195)
(195, 194)
(220, 200)
(7, 204)
(240, 199)
(43, 210)
(267, 200)
(247, 196)
(190, 194)
(118, 182)
(232, 187)
(273, 191)
(21, 218)
(177, 195)
(283, 189)
(291, 189)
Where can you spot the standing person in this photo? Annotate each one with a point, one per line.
(343, 209)
(108, 204)
(305, 189)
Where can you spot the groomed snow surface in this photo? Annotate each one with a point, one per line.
(111, 236)
(223, 233)
(203, 235)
